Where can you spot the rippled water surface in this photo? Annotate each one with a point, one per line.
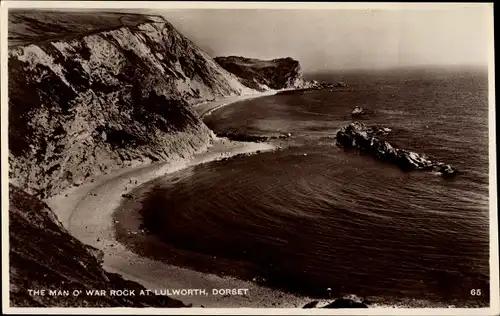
(314, 215)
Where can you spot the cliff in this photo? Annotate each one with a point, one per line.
(276, 74)
(89, 92)
(44, 256)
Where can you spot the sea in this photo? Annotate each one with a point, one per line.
(316, 219)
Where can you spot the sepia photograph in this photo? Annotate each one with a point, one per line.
(269, 158)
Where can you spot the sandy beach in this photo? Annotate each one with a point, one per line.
(206, 108)
(87, 212)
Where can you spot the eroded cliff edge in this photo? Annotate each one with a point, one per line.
(90, 102)
(91, 92)
(262, 75)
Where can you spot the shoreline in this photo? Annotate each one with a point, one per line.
(87, 212)
(206, 108)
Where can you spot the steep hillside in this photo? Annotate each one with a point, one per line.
(94, 91)
(90, 92)
(282, 73)
(52, 259)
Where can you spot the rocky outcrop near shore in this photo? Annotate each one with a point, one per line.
(262, 75)
(44, 256)
(252, 138)
(347, 301)
(357, 135)
(313, 85)
(117, 90)
(357, 111)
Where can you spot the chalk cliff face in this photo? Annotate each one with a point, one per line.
(276, 74)
(115, 91)
(89, 92)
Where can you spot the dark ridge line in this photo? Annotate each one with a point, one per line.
(67, 37)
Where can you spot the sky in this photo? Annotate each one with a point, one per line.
(333, 39)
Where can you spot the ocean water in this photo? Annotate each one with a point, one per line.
(315, 216)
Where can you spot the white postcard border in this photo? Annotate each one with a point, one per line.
(494, 308)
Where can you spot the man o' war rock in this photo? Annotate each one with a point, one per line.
(358, 135)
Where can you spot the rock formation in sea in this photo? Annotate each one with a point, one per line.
(262, 75)
(358, 135)
(310, 86)
(357, 111)
(252, 138)
(91, 92)
(346, 303)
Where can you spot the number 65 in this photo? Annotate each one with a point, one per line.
(475, 292)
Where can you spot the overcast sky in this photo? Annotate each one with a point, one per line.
(341, 39)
